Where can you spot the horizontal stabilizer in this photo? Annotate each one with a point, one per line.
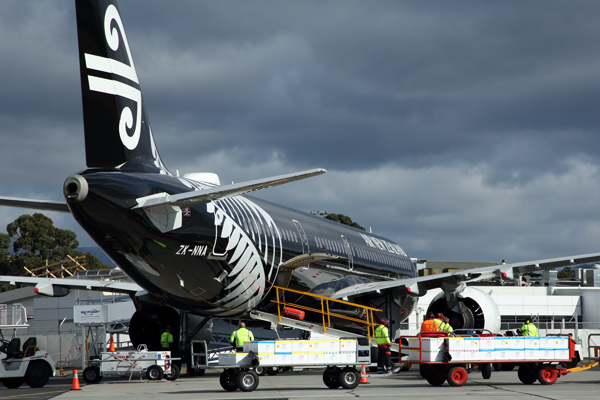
(45, 205)
(196, 198)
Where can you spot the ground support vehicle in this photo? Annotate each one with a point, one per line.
(450, 358)
(27, 364)
(339, 357)
(153, 365)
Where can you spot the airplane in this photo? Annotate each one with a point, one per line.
(200, 250)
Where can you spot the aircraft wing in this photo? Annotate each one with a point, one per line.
(59, 286)
(448, 280)
(191, 199)
(45, 205)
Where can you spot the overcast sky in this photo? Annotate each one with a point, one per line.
(462, 130)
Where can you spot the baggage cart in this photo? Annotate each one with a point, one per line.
(445, 357)
(338, 356)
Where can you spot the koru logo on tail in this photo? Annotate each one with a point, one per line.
(113, 87)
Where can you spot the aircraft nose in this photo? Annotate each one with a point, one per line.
(75, 188)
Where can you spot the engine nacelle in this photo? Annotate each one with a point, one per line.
(477, 310)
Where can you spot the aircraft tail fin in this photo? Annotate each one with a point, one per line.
(117, 129)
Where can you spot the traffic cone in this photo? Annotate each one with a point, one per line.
(111, 346)
(363, 375)
(75, 385)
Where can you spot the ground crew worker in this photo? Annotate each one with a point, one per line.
(529, 329)
(384, 352)
(241, 336)
(503, 262)
(166, 339)
(431, 324)
(446, 325)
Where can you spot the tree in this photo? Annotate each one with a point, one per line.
(343, 219)
(36, 242)
(565, 273)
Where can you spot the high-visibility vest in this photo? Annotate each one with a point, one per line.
(166, 339)
(241, 336)
(431, 325)
(529, 330)
(381, 335)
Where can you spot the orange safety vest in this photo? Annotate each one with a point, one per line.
(431, 325)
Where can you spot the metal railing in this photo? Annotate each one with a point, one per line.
(325, 312)
(13, 316)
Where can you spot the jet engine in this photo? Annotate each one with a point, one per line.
(474, 309)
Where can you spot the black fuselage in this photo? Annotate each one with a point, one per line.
(226, 255)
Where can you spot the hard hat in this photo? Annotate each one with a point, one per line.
(446, 319)
(384, 321)
(440, 315)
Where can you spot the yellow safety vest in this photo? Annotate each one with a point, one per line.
(241, 336)
(381, 335)
(529, 330)
(166, 339)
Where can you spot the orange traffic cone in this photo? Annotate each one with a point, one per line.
(111, 346)
(363, 375)
(75, 385)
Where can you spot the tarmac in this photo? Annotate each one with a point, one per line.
(503, 385)
(309, 385)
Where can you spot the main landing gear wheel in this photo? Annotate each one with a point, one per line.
(228, 380)
(527, 374)
(247, 381)
(547, 374)
(349, 378)
(457, 376)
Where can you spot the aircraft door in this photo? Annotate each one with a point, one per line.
(348, 247)
(303, 238)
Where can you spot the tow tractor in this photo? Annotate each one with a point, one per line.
(450, 358)
(26, 364)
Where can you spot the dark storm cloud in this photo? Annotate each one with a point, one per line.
(441, 123)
